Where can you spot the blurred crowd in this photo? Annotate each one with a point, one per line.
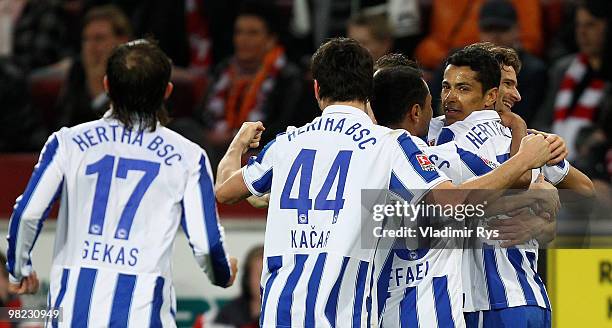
(239, 61)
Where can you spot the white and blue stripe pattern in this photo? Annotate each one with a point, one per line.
(509, 278)
(29, 213)
(132, 301)
(314, 290)
(101, 277)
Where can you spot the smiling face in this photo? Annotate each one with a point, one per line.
(508, 92)
(462, 93)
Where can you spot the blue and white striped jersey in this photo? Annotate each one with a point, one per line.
(509, 274)
(317, 271)
(483, 134)
(423, 288)
(123, 195)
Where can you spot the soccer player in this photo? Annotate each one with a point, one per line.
(126, 183)
(315, 271)
(401, 99)
(514, 293)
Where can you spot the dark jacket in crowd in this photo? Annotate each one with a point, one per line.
(75, 105)
(22, 130)
(284, 105)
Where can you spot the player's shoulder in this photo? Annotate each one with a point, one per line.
(406, 141)
(65, 134)
(449, 148)
(79, 128)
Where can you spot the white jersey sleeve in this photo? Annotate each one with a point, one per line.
(556, 173)
(457, 163)
(413, 168)
(257, 174)
(205, 236)
(32, 208)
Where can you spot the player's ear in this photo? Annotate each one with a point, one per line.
(168, 91)
(415, 112)
(491, 97)
(105, 82)
(316, 90)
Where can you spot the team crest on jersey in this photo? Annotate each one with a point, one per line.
(488, 162)
(425, 163)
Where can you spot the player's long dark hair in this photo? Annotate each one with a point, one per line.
(138, 73)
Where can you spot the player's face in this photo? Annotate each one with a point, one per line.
(590, 32)
(461, 93)
(251, 39)
(98, 42)
(508, 93)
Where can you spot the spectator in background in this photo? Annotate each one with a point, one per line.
(21, 126)
(83, 98)
(373, 32)
(243, 311)
(163, 20)
(33, 32)
(256, 84)
(454, 24)
(595, 149)
(576, 84)
(498, 24)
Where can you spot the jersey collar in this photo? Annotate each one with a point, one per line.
(345, 110)
(482, 115)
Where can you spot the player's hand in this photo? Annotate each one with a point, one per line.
(548, 204)
(534, 150)
(249, 135)
(512, 120)
(28, 285)
(259, 202)
(558, 148)
(518, 229)
(233, 270)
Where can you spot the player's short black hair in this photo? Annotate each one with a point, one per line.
(395, 59)
(480, 61)
(138, 73)
(343, 70)
(396, 90)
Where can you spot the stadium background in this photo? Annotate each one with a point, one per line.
(45, 36)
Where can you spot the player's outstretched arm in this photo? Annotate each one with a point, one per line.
(574, 180)
(533, 152)
(201, 225)
(31, 209)
(230, 186)
(519, 130)
(577, 181)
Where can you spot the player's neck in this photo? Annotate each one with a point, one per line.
(356, 103)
